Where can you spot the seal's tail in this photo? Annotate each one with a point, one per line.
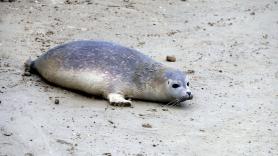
(29, 67)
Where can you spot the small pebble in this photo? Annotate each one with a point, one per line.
(49, 33)
(171, 58)
(26, 74)
(190, 71)
(8, 134)
(56, 101)
(210, 23)
(146, 125)
(28, 154)
(111, 122)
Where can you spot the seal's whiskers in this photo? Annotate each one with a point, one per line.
(176, 101)
(171, 103)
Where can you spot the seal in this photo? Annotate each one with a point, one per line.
(113, 71)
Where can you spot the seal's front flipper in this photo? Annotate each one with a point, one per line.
(118, 100)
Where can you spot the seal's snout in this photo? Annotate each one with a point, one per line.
(190, 96)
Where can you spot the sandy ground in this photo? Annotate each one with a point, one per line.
(231, 45)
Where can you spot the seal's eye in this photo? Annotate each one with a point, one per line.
(175, 85)
(187, 84)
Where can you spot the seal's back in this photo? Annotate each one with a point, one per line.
(91, 65)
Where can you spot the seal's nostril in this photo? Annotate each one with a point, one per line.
(189, 93)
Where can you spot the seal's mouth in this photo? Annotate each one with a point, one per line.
(179, 100)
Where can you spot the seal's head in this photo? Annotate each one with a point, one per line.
(177, 85)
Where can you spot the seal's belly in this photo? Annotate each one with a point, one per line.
(93, 82)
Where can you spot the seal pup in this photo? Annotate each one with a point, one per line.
(112, 71)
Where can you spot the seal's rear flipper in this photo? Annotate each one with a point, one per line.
(28, 67)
